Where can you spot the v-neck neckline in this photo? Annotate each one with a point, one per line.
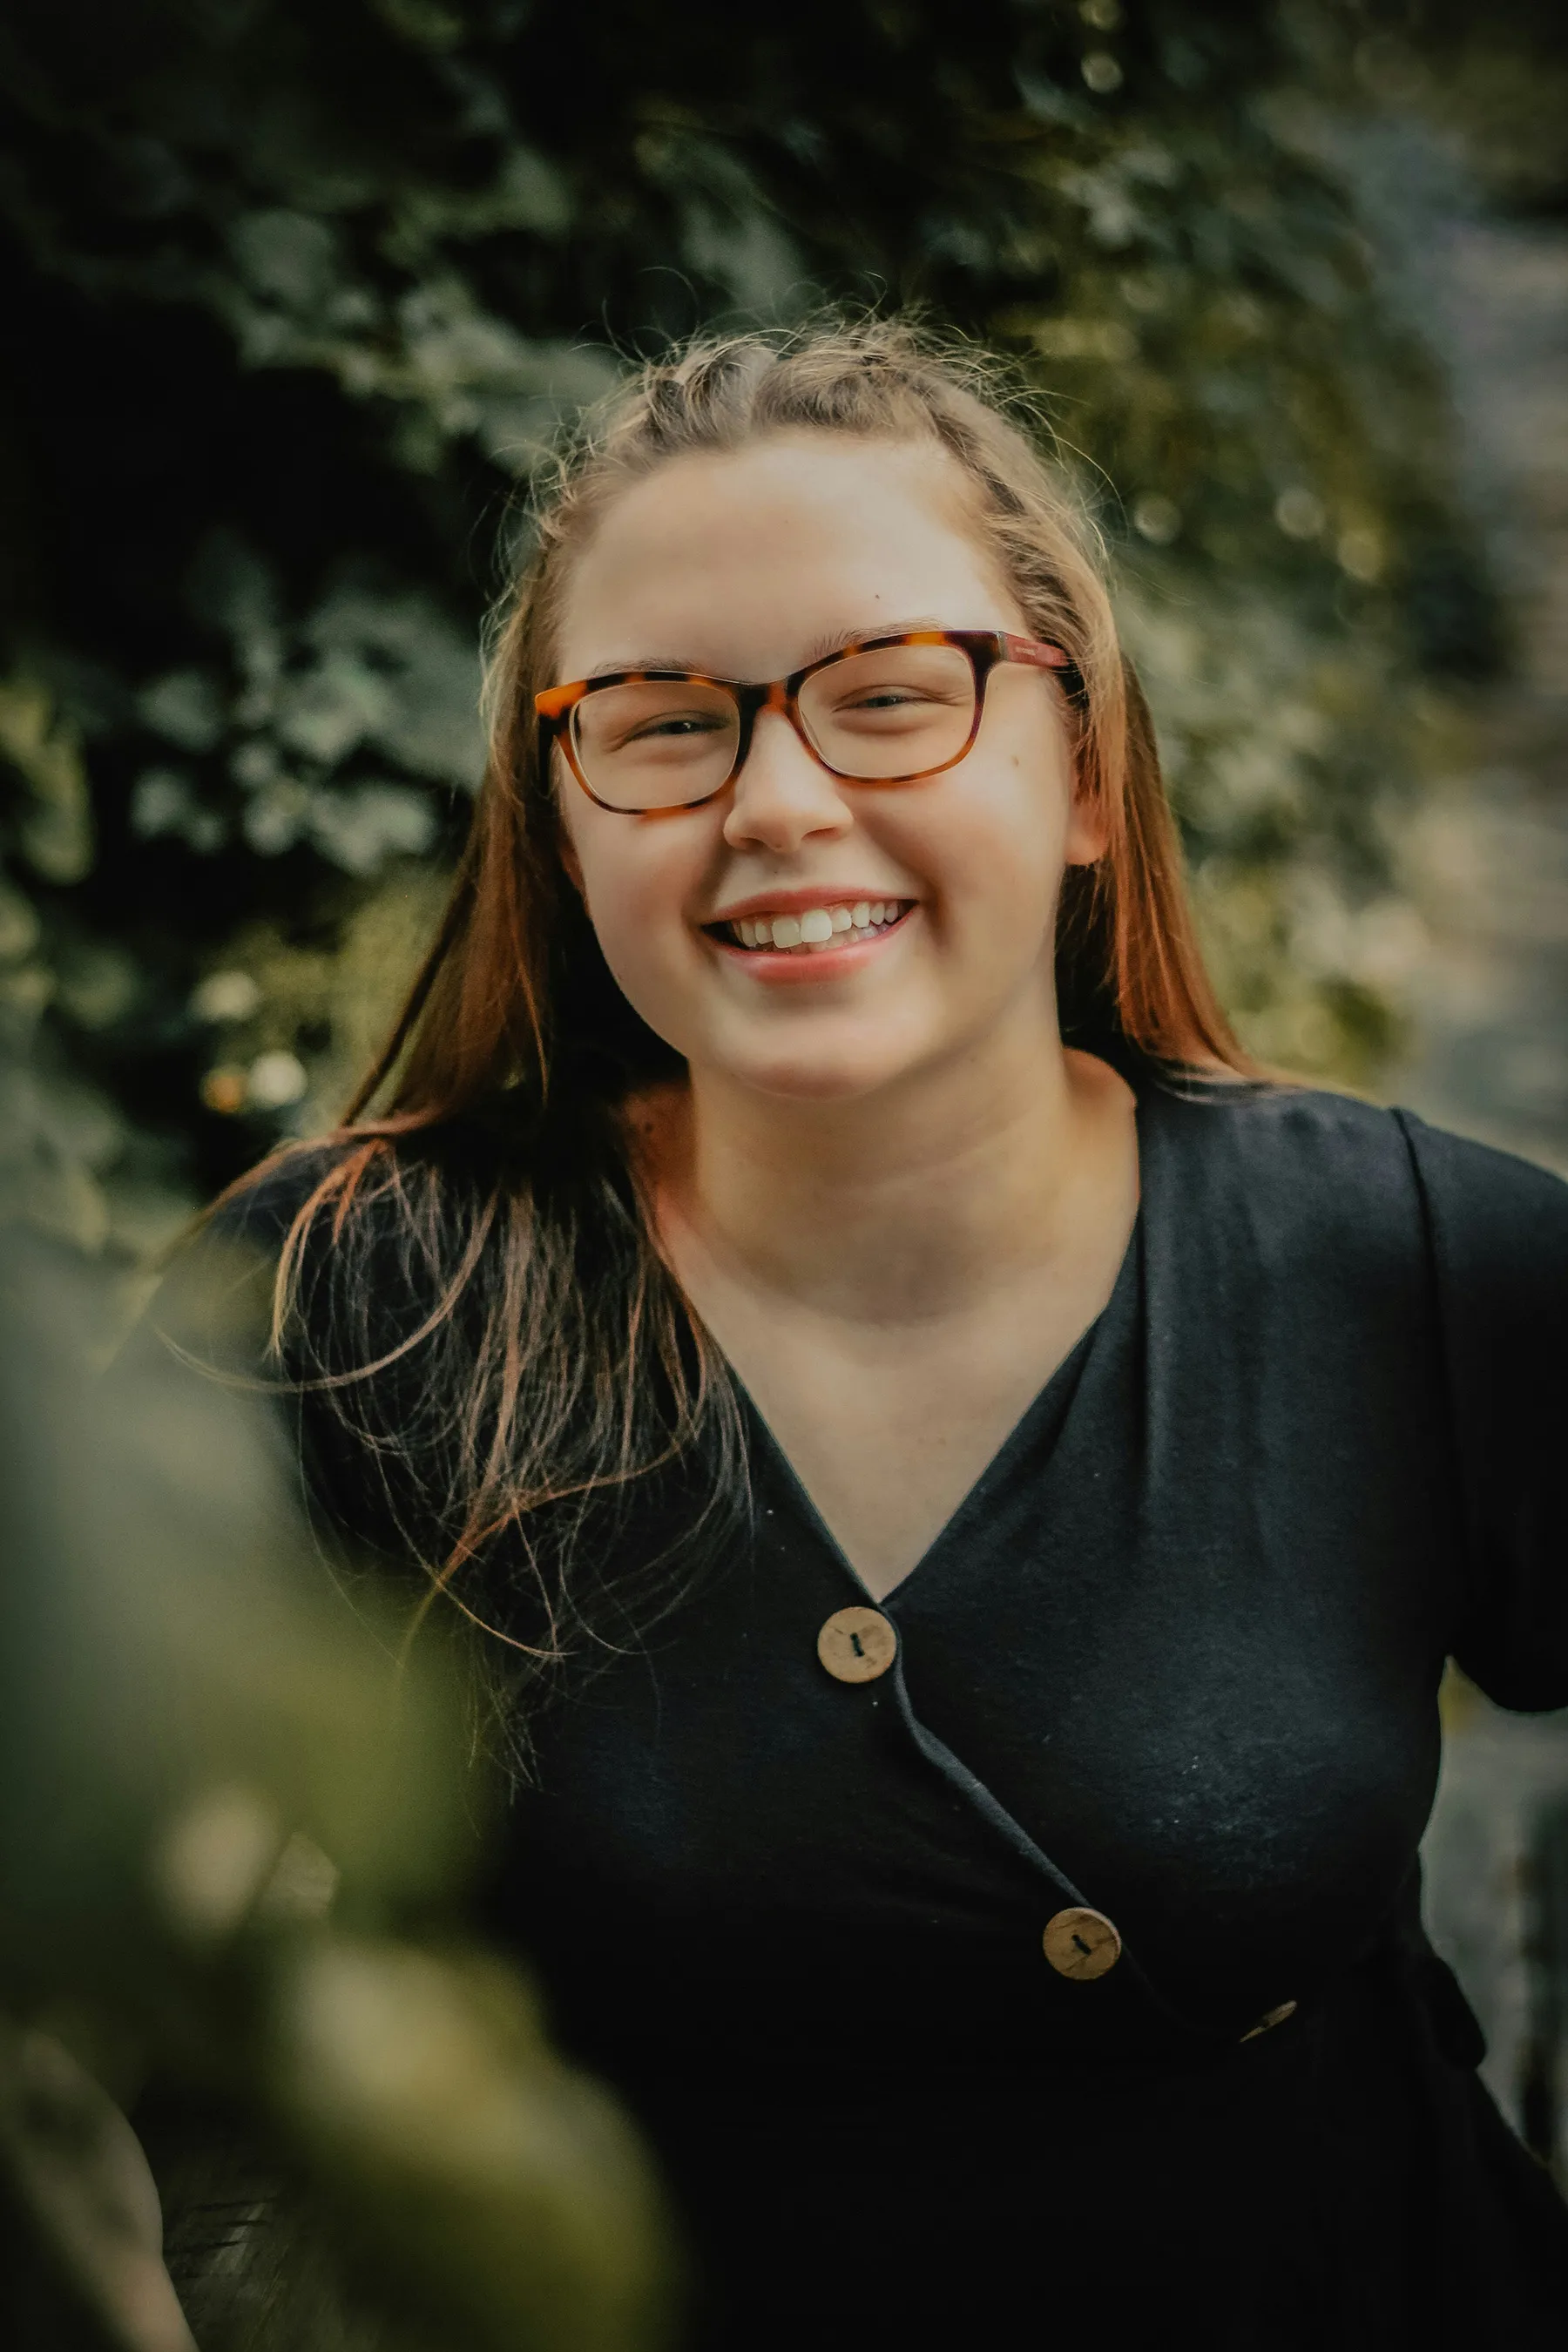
(1069, 1371)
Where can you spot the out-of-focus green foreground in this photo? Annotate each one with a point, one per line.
(236, 1828)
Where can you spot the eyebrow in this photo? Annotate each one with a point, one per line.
(834, 642)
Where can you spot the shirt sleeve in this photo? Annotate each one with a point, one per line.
(1498, 1233)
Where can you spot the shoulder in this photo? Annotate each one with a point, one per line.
(1501, 1202)
(1309, 1133)
(364, 1184)
(1300, 1161)
(1285, 1172)
(215, 1299)
(379, 1217)
(1268, 1124)
(260, 1211)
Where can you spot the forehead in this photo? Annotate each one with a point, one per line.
(744, 562)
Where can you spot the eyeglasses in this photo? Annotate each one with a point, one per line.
(886, 710)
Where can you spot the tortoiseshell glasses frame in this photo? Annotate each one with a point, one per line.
(560, 708)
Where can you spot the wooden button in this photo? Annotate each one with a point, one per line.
(856, 1645)
(1271, 2017)
(1081, 1944)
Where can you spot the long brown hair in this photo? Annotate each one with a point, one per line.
(552, 1363)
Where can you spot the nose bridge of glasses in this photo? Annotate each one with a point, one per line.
(781, 700)
(787, 751)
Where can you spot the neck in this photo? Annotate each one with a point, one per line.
(900, 1205)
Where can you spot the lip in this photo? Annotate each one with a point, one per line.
(800, 902)
(786, 967)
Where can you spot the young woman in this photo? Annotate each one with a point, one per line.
(975, 1487)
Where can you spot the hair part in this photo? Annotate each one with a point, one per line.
(567, 1363)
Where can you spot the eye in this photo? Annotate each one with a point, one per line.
(675, 723)
(893, 697)
(882, 697)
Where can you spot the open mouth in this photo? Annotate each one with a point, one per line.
(840, 923)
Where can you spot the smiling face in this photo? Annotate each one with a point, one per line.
(800, 934)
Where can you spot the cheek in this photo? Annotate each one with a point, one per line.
(996, 843)
(635, 881)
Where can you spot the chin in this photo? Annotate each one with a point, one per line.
(820, 1076)
(831, 1057)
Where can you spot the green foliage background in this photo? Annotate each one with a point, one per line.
(296, 291)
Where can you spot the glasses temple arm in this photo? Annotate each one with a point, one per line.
(1029, 650)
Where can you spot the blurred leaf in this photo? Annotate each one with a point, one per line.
(54, 827)
(227, 1797)
(504, 2192)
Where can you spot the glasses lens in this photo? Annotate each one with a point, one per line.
(891, 712)
(655, 742)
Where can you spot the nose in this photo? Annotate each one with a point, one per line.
(783, 796)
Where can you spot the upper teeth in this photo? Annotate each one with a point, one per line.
(817, 925)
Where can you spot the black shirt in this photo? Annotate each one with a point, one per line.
(1174, 1660)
